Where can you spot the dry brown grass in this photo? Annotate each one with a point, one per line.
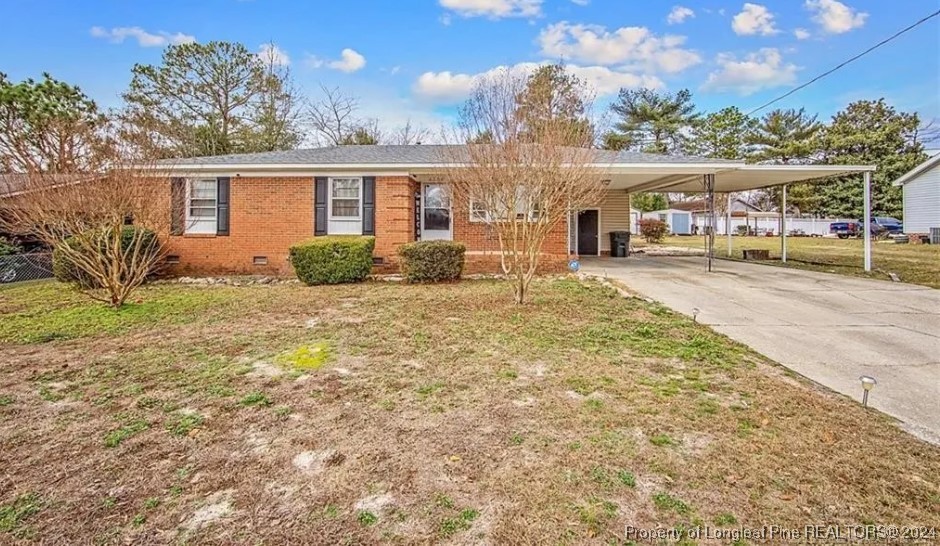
(444, 414)
(913, 263)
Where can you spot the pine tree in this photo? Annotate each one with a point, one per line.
(651, 121)
(869, 133)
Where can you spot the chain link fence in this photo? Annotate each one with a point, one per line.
(25, 267)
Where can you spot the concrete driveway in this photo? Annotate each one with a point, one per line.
(829, 328)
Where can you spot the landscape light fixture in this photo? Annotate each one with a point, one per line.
(868, 383)
(695, 312)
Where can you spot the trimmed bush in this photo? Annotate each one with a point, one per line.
(65, 271)
(654, 231)
(333, 259)
(432, 261)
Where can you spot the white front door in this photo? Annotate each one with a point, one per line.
(435, 213)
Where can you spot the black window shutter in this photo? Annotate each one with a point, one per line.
(223, 196)
(177, 205)
(319, 205)
(368, 205)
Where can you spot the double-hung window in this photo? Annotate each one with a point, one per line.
(202, 205)
(345, 198)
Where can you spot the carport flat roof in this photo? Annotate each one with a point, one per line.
(729, 177)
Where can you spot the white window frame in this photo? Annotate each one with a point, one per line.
(488, 217)
(201, 225)
(358, 217)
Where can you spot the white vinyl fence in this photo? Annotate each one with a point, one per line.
(809, 226)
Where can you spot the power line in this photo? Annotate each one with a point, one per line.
(860, 55)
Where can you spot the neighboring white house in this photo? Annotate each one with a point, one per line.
(921, 186)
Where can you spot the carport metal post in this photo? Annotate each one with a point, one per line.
(783, 225)
(709, 181)
(728, 223)
(867, 198)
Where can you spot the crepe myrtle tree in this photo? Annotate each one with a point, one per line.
(103, 220)
(535, 166)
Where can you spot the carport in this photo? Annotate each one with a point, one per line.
(695, 175)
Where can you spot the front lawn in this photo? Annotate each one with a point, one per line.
(917, 264)
(388, 413)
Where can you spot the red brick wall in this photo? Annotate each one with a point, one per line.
(394, 218)
(268, 215)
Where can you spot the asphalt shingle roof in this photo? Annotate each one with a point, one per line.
(421, 154)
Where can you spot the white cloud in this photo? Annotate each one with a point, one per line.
(271, 54)
(679, 14)
(117, 35)
(835, 17)
(494, 9)
(449, 87)
(581, 2)
(349, 61)
(754, 19)
(761, 70)
(636, 47)
(801, 34)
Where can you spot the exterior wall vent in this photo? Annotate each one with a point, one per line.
(260, 260)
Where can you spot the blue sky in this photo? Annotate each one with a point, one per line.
(416, 59)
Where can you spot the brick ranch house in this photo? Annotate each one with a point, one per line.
(239, 214)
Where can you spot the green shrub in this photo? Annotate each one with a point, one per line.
(333, 259)
(654, 231)
(65, 271)
(7, 248)
(432, 261)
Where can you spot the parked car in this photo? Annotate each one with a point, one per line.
(844, 230)
(892, 226)
(880, 225)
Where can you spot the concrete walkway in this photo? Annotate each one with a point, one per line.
(827, 327)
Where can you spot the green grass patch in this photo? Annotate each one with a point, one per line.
(256, 398)
(663, 440)
(666, 502)
(184, 423)
(51, 311)
(366, 518)
(306, 357)
(115, 437)
(6, 399)
(451, 526)
(14, 515)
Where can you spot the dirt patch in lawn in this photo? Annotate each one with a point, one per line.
(561, 421)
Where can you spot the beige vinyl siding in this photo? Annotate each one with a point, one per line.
(615, 215)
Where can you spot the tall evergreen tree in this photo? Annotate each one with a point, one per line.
(47, 126)
(725, 134)
(786, 137)
(209, 99)
(869, 132)
(652, 121)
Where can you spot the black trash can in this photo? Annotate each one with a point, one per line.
(619, 244)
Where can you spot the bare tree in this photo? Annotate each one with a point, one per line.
(86, 215)
(525, 179)
(333, 117)
(410, 134)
